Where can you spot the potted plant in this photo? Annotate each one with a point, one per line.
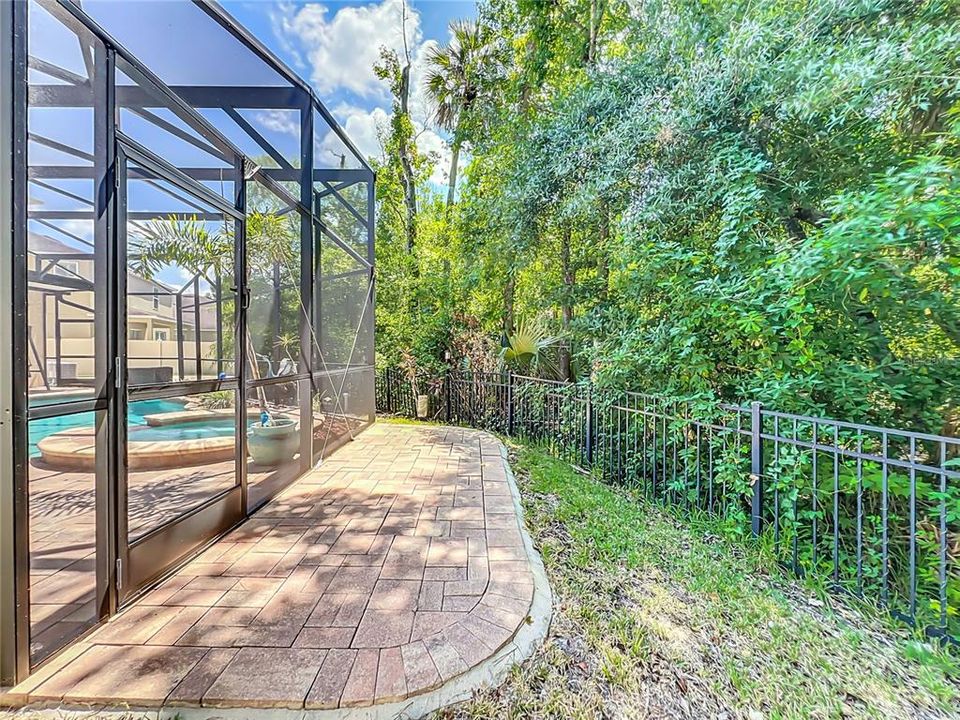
(273, 441)
(409, 365)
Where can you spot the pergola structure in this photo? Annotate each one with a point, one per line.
(187, 249)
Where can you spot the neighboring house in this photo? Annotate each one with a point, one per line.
(61, 321)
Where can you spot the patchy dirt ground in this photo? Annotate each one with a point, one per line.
(656, 619)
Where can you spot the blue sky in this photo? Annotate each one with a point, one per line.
(334, 45)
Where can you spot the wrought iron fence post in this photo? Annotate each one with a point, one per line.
(756, 465)
(389, 381)
(509, 403)
(446, 390)
(589, 428)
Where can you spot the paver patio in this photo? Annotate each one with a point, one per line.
(393, 568)
(63, 534)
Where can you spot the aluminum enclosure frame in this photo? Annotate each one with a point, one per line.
(183, 111)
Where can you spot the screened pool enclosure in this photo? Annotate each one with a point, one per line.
(187, 258)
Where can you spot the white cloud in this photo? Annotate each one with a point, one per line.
(343, 49)
(281, 121)
(363, 127)
(278, 15)
(367, 128)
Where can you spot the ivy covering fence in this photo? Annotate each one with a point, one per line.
(872, 511)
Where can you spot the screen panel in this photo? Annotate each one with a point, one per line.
(181, 293)
(181, 452)
(62, 502)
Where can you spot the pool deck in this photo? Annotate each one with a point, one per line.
(62, 532)
(397, 575)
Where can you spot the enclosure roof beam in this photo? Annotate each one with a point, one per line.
(258, 138)
(343, 245)
(61, 255)
(55, 71)
(66, 193)
(177, 132)
(227, 21)
(334, 188)
(81, 172)
(59, 146)
(280, 191)
(251, 41)
(67, 233)
(321, 175)
(72, 15)
(131, 215)
(157, 167)
(198, 96)
(38, 278)
(343, 201)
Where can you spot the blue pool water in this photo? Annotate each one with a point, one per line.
(184, 431)
(39, 429)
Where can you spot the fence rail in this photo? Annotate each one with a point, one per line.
(874, 511)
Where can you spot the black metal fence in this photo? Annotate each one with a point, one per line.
(873, 511)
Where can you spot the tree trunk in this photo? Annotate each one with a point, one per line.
(509, 289)
(409, 182)
(592, 33)
(566, 306)
(454, 160)
(593, 30)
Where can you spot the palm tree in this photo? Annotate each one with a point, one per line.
(452, 84)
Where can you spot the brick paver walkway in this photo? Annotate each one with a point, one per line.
(393, 568)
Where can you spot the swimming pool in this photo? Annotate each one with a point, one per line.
(196, 430)
(39, 429)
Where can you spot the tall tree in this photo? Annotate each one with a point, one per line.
(452, 84)
(402, 140)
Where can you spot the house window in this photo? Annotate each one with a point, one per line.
(156, 300)
(161, 334)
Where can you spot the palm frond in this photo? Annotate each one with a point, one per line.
(531, 349)
(189, 243)
(452, 68)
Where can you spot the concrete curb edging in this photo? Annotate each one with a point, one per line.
(489, 674)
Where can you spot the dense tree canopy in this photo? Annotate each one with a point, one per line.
(732, 199)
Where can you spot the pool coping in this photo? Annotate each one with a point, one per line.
(75, 450)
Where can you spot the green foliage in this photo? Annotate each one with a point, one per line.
(452, 80)
(216, 400)
(724, 201)
(530, 349)
(730, 200)
(758, 201)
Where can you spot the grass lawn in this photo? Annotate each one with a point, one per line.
(660, 617)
